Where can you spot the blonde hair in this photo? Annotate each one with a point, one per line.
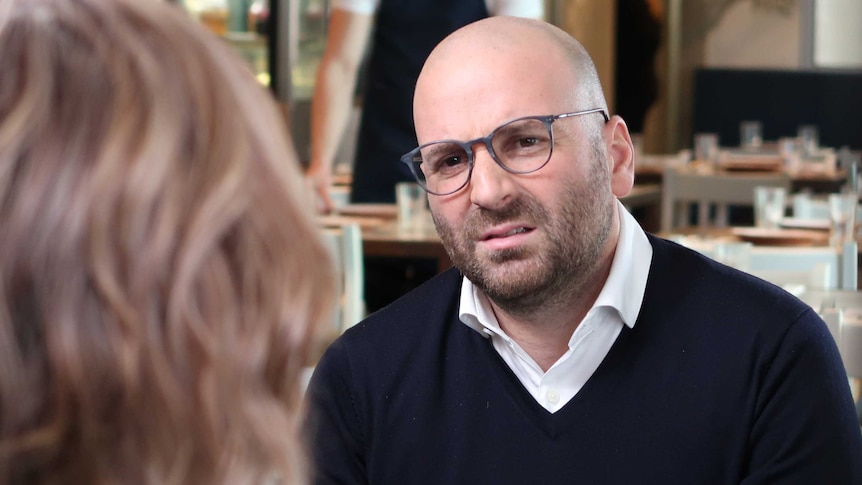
(160, 275)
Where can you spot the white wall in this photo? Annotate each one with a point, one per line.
(838, 33)
(750, 36)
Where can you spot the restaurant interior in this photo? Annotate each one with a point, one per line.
(749, 151)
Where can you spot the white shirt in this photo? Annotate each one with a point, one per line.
(516, 8)
(618, 304)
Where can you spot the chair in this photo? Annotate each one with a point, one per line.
(806, 206)
(842, 313)
(683, 186)
(849, 340)
(811, 267)
(345, 245)
(814, 267)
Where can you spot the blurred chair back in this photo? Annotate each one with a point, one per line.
(683, 186)
(807, 206)
(850, 346)
(820, 267)
(811, 267)
(345, 245)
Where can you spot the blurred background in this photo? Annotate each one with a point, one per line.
(695, 65)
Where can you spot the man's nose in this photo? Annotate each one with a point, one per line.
(490, 185)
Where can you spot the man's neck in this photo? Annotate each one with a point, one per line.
(545, 333)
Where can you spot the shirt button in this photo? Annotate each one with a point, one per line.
(553, 397)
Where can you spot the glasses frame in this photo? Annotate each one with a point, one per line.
(467, 146)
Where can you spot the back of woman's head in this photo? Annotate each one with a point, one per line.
(159, 273)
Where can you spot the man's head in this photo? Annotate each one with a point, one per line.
(527, 239)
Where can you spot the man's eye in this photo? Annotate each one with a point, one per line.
(446, 158)
(451, 161)
(520, 143)
(527, 141)
(449, 164)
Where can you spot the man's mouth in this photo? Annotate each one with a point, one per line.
(514, 231)
(519, 230)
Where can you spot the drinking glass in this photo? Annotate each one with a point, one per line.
(412, 205)
(638, 146)
(706, 147)
(842, 214)
(809, 139)
(750, 134)
(769, 204)
(789, 149)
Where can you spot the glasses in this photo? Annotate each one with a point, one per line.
(519, 146)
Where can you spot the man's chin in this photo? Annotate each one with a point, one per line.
(500, 277)
(501, 256)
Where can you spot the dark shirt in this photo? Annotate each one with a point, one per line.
(636, 84)
(723, 379)
(405, 32)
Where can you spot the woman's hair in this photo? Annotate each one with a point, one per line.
(160, 273)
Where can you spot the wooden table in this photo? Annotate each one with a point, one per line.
(815, 181)
(393, 241)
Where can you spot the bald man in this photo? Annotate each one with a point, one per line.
(567, 345)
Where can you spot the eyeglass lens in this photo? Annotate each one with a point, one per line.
(521, 146)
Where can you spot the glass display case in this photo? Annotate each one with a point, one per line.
(245, 24)
(282, 41)
(306, 22)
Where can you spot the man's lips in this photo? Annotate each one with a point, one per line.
(505, 231)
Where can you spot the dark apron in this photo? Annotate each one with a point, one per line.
(405, 32)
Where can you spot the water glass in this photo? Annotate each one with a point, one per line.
(842, 214)
(706, 147)
(751, 135)
(412, 205)
(638, 146)
(769, 205)
(789, 149)
(809, 139)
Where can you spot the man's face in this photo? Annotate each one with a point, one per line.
(546, 234)
(520, 237)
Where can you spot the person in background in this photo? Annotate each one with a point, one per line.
(568, 344)
(160, 273)
(638, 38)
(401, 34)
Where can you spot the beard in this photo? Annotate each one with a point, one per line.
(525, 279)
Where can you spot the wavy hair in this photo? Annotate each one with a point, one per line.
(160, 271)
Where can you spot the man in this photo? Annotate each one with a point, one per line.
(575, 348)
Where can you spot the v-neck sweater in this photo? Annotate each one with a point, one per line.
(723, 379)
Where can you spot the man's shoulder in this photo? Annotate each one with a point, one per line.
(427, 309)
(685, 280)
(407, 334)
(673, 262)
(436, 298)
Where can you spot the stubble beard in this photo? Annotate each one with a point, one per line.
(523, 280)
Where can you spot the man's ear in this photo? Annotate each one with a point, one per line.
(621, 156)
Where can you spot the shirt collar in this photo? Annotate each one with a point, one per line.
(623, 290)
